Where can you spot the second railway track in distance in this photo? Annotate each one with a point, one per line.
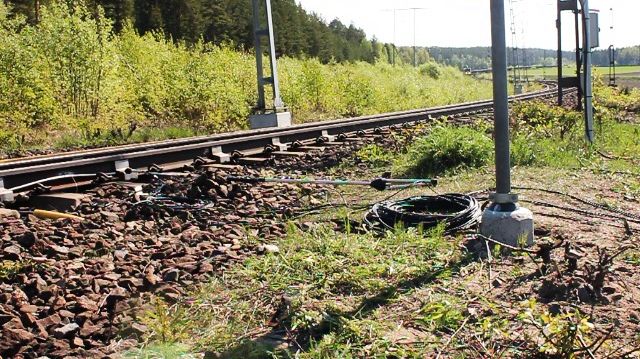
(59, 172)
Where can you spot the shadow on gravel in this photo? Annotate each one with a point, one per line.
(282, 341)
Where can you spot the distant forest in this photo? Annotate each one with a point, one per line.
(298, 33)
(624, 56)
(480, 57)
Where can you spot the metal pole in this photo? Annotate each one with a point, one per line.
(613, 52)
(612, 56)
(578, 61)
(503, 220)
(588, 90)
(500, 98)
(612, 65)
(514, 63)
(277, 101)
(258, 50)
(559, 27)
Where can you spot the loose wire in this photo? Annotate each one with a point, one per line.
(456, 211)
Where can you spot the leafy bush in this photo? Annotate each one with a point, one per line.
(554, 136)
(431, 69)
(539, 117)
(71, 80)
(374, 156)
(616, 98)
(446, 148)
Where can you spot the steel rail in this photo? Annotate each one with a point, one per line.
(16, 173)
(34, 160)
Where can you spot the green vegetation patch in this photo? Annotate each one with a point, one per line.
(321, 287)
(619, 99)
(71, 80)
(374, 156)
(446, 148)
(541, 135)
(9, 269)
(546, 135)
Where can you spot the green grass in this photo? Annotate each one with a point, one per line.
(623, 71)
(162, 351)
(551, 136)
(542, 136)
(374, 156)
(324, 288)
(633, 257)
(627, 69)
(445, 148)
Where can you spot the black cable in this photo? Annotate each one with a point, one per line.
(582, 200)
(457, 212)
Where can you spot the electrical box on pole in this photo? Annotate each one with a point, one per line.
(595, 29)
(274, 114)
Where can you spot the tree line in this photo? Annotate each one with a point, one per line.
(480, 57)
(624, 56)
(297, 32)
(476, 58)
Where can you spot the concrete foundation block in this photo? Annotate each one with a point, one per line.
(267, 120)
(509, 226)
(6, 195)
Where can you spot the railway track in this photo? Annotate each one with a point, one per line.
(54, 172)
(82, 281)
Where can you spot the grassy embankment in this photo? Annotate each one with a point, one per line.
(70, 81)
(330, 294)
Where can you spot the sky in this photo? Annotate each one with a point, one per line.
(465, 23)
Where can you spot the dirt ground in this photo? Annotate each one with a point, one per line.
(579, 283)
(585, 265)
(594, 264)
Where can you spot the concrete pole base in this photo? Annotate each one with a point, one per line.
(510, 224)
(268, 120)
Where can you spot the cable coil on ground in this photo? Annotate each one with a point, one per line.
(457, 212)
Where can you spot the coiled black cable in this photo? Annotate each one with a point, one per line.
(457, 212)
